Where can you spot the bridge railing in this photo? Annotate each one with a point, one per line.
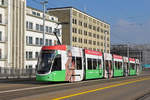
(17, 73)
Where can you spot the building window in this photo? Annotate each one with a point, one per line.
(98, 29)
(85, 25)
(97, 43)
(30, 25)
(0, 53)
(94, 42)
(2, 2)
(27, 24)
(74, 21)
(30, 55)
(80, 23)
(27, 40)
(94, 35)
(101, 43)
(38, 14)
(74, 30)
(75, 39)
(36, 54)
(33, 13)
(37, 27)
(102, 37)
(85, 41)
(102, 30)
(90, 26)
(41, 41)
(30, 40)
(50, 29)
(47, 29)
(107, 45)
(46, 42)
(108, 39)
(0, 35)
(27, 55)
(37, 41)
(79, 31)
(52, 18)
(97, 36)
(0, 18)
(90, 34)
(41, 28)
(90, 41)
(50, 42)
(94, 27)
(85, 32)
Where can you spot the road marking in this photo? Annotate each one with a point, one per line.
(98, 89)
(39, 87)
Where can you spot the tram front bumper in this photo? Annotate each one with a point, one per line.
(45, 78)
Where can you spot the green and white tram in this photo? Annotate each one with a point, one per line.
(132, 66)
(93, 64)
(65, 63)
(118, 65)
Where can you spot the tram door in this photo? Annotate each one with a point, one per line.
(108, 69)
(125, 66)
(137, 66)
(74, 64)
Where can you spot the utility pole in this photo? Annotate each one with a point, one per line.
(44, 4)
(105, 41)
(128, 50)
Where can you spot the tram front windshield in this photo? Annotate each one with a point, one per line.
(45, 61)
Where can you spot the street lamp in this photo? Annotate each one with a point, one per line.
(44, 4)
(105, 41)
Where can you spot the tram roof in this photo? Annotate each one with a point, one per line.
(91, 52)
(56, 47)
(117, 56)
(131, 59)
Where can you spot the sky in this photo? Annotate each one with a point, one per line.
(129, 19)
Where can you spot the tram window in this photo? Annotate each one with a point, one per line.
(119, 65)
(94, 63)
(73, 60)
(78, 63)
(57, 63)
(132, 66)
(99, 64)
(89, 62)
(107, 65)
(116, 64)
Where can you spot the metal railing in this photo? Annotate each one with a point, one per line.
(17, 73)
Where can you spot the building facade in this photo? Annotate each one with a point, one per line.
(34, 34)
(82, 30)
(21, 36)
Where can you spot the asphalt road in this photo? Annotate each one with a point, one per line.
(129, 88)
